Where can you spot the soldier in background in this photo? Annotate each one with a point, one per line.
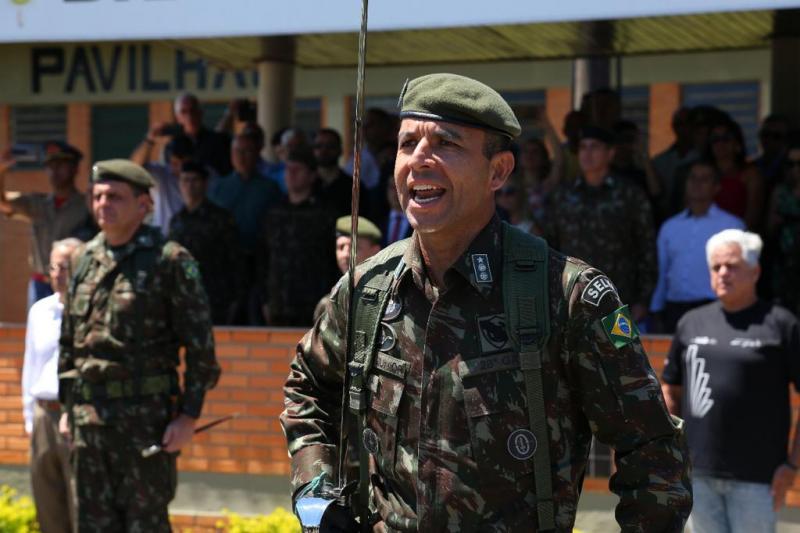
(606, 221)
(135, 300)
(208, 232)
(449, 425)
(369, 244)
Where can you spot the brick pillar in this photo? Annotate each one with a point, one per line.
(160, 111)
(79, 134)
(665, 99)
(557, 105)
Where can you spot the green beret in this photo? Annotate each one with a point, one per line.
(366, 228)
(457, 99)
(122, 170)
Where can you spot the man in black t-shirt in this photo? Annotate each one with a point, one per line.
(728, 374)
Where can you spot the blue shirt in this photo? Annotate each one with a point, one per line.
(682, 265)
(248, 201)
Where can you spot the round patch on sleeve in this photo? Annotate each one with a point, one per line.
(522, 444)
(370, 440)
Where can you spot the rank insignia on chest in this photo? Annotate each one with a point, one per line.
(620, 327)
(480, 264)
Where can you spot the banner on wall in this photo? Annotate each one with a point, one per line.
(113, 20)
(114, 72)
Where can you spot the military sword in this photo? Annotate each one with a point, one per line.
(358, 142)
(155, 448)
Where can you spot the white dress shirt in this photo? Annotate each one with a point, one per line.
(167, 199)
(40, 369)
(682, 266)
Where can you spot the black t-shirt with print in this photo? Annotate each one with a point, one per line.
(735, 370)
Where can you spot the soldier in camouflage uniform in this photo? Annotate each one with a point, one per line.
(134, 301)
(606, 221)
(447, 411)
(209, 233)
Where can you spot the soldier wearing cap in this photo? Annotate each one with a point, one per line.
(369, 244)
(134, 301)
(607, 221)
(53, 216)
(482, 361)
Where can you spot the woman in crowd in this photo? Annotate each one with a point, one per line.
(741, 184)
(536, 173)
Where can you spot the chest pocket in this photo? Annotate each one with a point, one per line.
(495, 405)
(82, 300)
(386, 385)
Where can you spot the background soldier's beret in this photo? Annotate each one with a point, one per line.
(596, 132)
(457, 99)
(61, 151)
(366, 229)
(122, 170)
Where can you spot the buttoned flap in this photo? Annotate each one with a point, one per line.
(385, 393)
(495, 404)
(81, 300)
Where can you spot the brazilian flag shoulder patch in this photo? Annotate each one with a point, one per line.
(191, 270)
(620, 328)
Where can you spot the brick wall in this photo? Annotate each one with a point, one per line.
(255, 365)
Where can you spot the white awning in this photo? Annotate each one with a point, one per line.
(114, 20)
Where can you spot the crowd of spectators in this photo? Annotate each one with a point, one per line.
(263, 229)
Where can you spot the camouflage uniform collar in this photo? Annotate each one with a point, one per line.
(480, 264)
(143, 238)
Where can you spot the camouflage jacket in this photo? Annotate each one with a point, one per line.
(446, 394)
(108, 333)
(297, 261)
(209, 234)
(610, 227)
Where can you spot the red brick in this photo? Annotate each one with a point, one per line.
(242, 366)
(193, 463)
(12, 332)
(558, 102)
(226, 466)
(10, 457)
(232, 380)
(265, 410)
(267, 440)
(231, 350)
(288, 336)
(273, 352)
(18, 443)
(11, 402)
(209, 452)
(221, 335)
(227, 438)
(268, 382)
(250, 396)
(248, 424)
(11, 430)
(17, 348)
(251, 335)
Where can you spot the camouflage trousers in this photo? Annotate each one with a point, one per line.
(117, 489)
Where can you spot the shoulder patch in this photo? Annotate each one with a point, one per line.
(191, 270)
(594, 292)
(620, 327)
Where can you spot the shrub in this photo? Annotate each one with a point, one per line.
(17, 514)
(278, 521)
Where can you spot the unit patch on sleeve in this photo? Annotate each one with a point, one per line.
(620, 327)
(596, 289)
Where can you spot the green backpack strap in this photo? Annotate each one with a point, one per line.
(526, 301)
(370, 299)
